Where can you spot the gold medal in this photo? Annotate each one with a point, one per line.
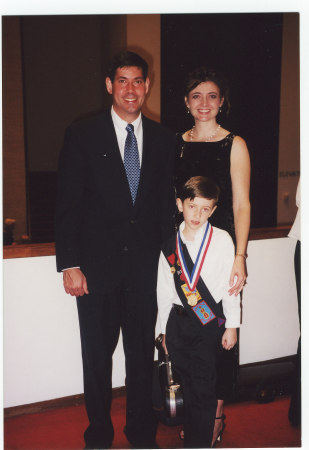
(192, 299)
(173, 270)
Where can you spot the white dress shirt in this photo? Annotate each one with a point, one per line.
(215, 273)
(121, 133)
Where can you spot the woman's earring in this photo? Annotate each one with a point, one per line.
(188, 111)
(220, 110)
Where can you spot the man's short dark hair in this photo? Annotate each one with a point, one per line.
(126, 58)
(199, 187)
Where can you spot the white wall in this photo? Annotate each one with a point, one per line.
(42, 357)
(270, 325)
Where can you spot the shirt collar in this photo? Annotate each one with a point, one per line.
(198, 235)
(121, 124)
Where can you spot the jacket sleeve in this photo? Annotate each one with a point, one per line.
(168, 199)
(69, 209)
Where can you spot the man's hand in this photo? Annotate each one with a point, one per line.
(74, 282)
(229, 338)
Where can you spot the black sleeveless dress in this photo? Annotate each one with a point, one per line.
(212, 160)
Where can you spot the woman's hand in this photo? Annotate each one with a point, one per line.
(239, 271)
(229, 338)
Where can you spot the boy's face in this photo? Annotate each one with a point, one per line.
(196, 211)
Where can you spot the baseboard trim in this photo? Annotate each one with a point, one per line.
(39, 407)
(284, 359)
(75, 400)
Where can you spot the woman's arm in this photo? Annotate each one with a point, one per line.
(240, 175)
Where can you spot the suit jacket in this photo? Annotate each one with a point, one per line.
(97, 225)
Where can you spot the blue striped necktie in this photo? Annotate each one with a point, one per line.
(131, 161)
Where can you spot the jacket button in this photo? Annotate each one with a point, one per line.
(125, 249)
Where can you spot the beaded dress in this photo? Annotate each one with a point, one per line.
(212, 160)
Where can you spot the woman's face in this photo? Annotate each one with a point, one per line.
(204, 101)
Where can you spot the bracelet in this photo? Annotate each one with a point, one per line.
(240, 254)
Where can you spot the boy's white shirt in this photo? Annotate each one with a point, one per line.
(215, 273)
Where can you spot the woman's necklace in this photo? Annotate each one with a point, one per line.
(207, 138)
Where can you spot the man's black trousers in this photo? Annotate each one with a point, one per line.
(101, 317)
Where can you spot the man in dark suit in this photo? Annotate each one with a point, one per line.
(110, 222)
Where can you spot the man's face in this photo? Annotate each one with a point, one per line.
(129, 90)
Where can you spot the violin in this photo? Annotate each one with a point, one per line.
(170, 386)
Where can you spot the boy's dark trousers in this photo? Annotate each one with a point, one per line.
(193, 356)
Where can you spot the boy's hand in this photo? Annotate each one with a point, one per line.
(229, 338)
(164, 345)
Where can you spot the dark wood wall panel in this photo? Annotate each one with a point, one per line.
(14, 176)
(65, 60)
(247, 47)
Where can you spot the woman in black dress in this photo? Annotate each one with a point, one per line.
(210, 150)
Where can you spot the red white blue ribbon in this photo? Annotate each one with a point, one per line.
(192, 279)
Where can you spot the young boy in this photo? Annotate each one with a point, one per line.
(196, 312)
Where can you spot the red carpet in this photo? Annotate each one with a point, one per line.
(248, 424)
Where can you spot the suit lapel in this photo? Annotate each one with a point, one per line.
(109, 153)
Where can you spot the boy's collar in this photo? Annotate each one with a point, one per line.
(198, 235)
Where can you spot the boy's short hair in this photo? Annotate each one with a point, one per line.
(199, 187)
(125, 58)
